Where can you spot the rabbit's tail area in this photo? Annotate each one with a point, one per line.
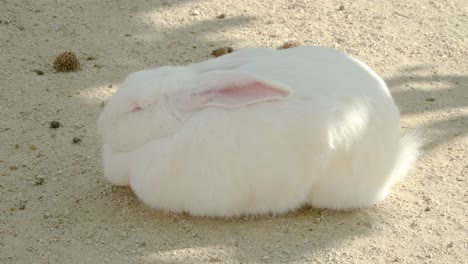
(409, 151)
(362, 178)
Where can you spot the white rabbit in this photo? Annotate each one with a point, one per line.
(256, 131)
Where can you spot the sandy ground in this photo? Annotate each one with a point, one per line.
(55, 206)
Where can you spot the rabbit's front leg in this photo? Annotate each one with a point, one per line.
(116, 165)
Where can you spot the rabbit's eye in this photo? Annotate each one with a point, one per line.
(137, 109)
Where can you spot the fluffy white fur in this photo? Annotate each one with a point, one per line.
(317, 127)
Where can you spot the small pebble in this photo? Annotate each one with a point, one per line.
(341, 8)
(55, 124)
(76, 140)
(17, 146)
(127, 35)
(38, 72)
(13, 167)
(32, 147)
(289, 44)
(221, 16)
(91, 58)
(38, 181)
(449, 245)
(222, 51)
(430, 99)
(427, 209)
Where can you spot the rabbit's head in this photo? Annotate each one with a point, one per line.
(152, 104)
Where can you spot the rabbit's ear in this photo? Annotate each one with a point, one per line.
(232, 60)
(231, 89)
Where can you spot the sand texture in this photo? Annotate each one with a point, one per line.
(56, 207)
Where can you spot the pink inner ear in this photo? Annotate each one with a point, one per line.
(231, 95)
(254, 89)
(231, 89)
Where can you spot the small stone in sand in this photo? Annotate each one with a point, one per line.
(289, 44)
(341, 8)
(76, 140)
(55, 124)
(221, 16)
(38, 181)
(66, 62)
(221, 51)
(38, 72)
(430, 99)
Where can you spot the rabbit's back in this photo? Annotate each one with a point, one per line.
(339, 130)
(313, 71)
